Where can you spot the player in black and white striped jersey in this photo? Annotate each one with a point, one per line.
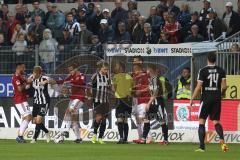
(100, 87)
(41, 101)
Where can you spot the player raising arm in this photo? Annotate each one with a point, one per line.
(212, 83)
(20, 99)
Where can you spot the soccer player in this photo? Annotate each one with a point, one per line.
(77, 82)
(20, 85)
(122, 85)
(212, 84)
(141, 94)
(41, 101)
(100, 86)
(155, 107)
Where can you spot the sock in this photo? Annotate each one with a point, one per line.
(140, 130)
(76, 130)
(67, 121)
(42, 126)
(165, 132)
(219, 130)
(96, 126)
(125, 130)
(201, 134)
(37, 131)
(102, 129)
(120, 129)
(146, 130)
(23, 127)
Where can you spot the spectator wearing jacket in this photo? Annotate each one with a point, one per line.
(106, 33)
(154, 20)
(195, 36)
(121, 35)
(118, 14)
(172, 8)
(138, 31)
(37, 11)
(148, 37)
(37, 28)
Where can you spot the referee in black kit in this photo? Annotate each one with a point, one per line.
(212, 83)
(41, 101)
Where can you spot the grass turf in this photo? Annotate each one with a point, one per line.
(10, 150)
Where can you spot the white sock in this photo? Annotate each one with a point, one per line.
(76, 130)
(140, 130)
(23, 127)
(67, 121)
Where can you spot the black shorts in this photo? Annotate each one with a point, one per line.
(40, 110)
(101, 108)
(123, 108)
(210, 106)
(158, 112)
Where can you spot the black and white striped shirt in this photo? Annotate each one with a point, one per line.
(100, 84)
(155, 88)
(41, 95)
(73, 27)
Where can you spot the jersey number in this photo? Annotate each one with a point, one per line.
(213, 78)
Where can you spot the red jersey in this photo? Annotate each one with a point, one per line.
(19, 97)
(141, 83)
(77, 82)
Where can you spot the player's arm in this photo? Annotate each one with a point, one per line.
(197, 91)
(224, 87)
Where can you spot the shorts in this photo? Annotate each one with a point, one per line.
(139, 110)
(158, 112)
(23, 109)
(40, 110)
(210, 106)
(75, 104)
(101, 108)
(123, 108)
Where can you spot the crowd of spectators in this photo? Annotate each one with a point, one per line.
(91, 24)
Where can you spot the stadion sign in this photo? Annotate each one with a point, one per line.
(149, 49)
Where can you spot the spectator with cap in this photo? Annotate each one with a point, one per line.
(37, 28)
(97, 19)
(204, 12)
(4, 12)
(71, 26)
(82, 16)
(154, 20)
(11, 24)
(28, 24)
(148, 37)
(162, 7)
(96, 47)
(49, 11)
(172, 28)
(195, 36)
(106, 33)
(231, 19)
(37, 11)
(215, 27)
(138, 31)
(56, 21)
(172, 8)
(107, 16)
(118, 14)
(121, 35)
(3, 28)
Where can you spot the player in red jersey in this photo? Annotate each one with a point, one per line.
(20, 84)
(141, 95)
(77, 95)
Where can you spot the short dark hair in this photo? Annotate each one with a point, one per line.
(101, 64)
(19, 64)
(212, 57)
(73, 65)
(152, 66)
(138, 57)
(122, 65)
(36, 1)
(69, 13)
(187, 68)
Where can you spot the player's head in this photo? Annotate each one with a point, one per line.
(20, 68)
(72, 68)
(186, 72)
(211, 57)
(37, 71)
(151, 69)
(137, 60)
(119, 67)
(103, 67)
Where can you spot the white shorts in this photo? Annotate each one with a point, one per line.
(75, 104)
(23, 109)
(139, 110)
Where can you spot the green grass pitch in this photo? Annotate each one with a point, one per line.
(10, 150)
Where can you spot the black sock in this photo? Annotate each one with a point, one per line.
(120, 129)
(125, 129)
(37, 131)
(201, 134)
(102, 129)
(43, 128)
(165, 132)
(219, 130)
(146, 130)
(96, 126)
